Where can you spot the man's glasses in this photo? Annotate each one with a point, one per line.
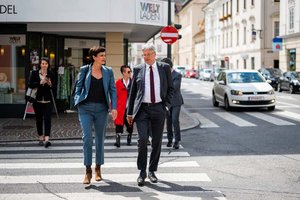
(147, 55)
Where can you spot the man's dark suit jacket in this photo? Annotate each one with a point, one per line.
(138, 86)
(177, 99)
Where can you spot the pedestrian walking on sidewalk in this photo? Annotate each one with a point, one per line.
(43, 80)
(150, 95)
(123, 88)
(95, 88)
(174, 112)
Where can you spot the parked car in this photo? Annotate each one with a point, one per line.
(205, 74)
(289, 81)
(181, 70)
(242, 88)
(272, 74)
(215, 72)
(191, 73)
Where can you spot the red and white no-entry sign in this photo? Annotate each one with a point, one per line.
(169, 34)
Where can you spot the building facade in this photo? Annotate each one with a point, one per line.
(247, 31)
(189, 17)
(290, 32)
(64, 31)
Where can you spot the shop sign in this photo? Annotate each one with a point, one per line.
(8, 9)
(149, 12)
(277, 44)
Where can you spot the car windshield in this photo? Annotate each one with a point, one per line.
(296, 74)
(275, 71)
(244, 77)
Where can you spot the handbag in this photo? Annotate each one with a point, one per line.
(31, 94)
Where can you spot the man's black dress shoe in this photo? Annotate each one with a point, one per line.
(118, 142)
(141, 178)
(169, 144)
(176, 145)
(152, 177)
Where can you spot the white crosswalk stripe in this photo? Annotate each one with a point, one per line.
(234, 119)
(275, 118)
(60, 168)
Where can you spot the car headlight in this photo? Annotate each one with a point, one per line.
(236, 92)
(296, 82)
(271, 92)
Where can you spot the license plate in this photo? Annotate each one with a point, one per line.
(256, 98)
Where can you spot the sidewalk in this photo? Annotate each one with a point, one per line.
(65, 127)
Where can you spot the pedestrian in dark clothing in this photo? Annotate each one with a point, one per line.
(150, 95)
(174, 112)
(43, 80)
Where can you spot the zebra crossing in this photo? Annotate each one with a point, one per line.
(241, 119)
(28, 171)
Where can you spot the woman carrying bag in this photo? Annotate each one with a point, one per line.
(42, 79)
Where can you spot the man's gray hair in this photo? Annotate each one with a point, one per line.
(149, 46)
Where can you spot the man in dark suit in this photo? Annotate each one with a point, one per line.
(174, 112)
(150, 97)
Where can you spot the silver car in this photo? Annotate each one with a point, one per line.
(243, 88)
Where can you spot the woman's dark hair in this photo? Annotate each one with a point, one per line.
(95, 50)
(168, 61)
(44, 59)
(124, 67)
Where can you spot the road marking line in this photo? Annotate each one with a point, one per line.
(288, 114)
(80, 165)
(120, 178)
(79, 155)
(234, 119)
(143, 193)
(204, 122)
(270, 119)
(78, 148)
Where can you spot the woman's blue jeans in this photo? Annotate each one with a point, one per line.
(93, 114)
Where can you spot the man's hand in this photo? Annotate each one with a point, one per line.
(130, 120)
(114, 114)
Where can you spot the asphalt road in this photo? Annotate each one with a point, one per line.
(249, 154)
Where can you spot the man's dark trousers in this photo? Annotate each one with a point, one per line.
(173, 122)
(150, 115)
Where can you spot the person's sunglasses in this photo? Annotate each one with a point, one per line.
(128, 72)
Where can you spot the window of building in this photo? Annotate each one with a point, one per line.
(276, 0)
(237, 64)
(245, 64)
(237, 5)
(226, 39)
(291, 18)
(230, 38)
(237, 37)
(252, 62)
(245, 4)
(159, 49)
(223, 10)
(12, 69)
(245, 34)
(276, 28)
(227, 8)
(253, 33)
(230, 7)
(252, 2)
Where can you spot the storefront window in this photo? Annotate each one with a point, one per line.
(12, 69)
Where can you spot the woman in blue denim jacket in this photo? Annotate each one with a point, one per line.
(95, 92)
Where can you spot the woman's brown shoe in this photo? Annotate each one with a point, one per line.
(98, 173)
(88, 176)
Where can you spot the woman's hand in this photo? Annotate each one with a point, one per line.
(114, 114)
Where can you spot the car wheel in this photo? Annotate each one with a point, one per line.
(271, 108)
(226, 104)
(214, 100)
(279, 88)
(292, 91)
